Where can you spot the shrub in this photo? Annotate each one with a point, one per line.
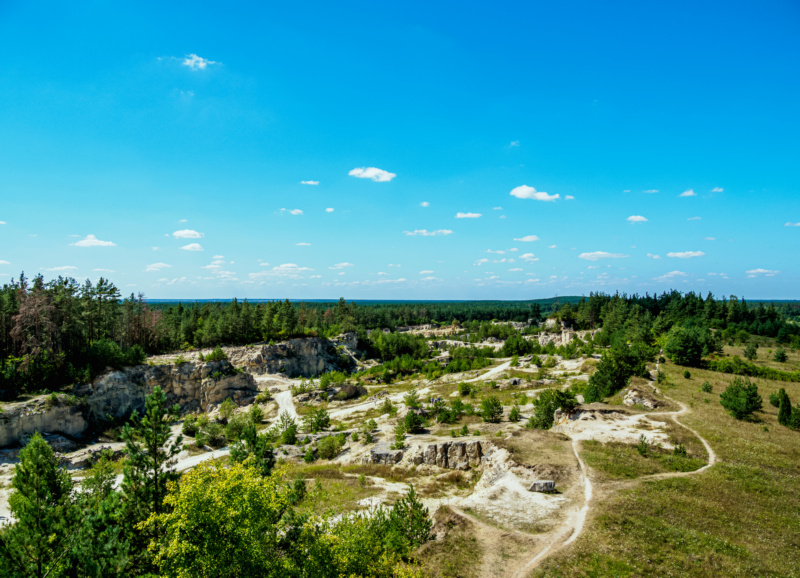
(201, 438)
(784, 408)
(514, 415)
(262, 397)
(464, 388)
(256, 414)
(751, 351)
(680, 451)
(354, 436)
(546, 405)
(308, 457)
(189, 426)
(411, 399)
(317, 420)
(216, 355)
(706, 387)
(662, 359)
(684, 346)
(741, 398)
(775, 398)
(235, 427)
(686, 374)
(226, 409)
(215, 435)
(642, 446)
(464, 430)
(413, 422)
(387, 407)
(329, 447)
(491, 409)
(515, 361)
(399, 435)
(780, 356)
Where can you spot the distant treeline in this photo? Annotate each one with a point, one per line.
(62, 331)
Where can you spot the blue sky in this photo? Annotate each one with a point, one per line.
(450, 150)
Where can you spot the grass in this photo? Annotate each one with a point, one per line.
(741, 517)
(458, 555)
(615, 461)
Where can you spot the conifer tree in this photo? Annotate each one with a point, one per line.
(784, 408)
(45, 527)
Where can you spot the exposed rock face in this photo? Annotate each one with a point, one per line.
(308, 357)
(192, 385)
(543, 486)
(381, 454)
(634, 397)
(19, 421)
(451, 455)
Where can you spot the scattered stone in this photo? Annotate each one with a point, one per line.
(543, 486)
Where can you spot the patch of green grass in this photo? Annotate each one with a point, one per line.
(458, 555)
(623, 461)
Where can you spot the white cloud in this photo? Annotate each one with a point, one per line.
(499, 252)
(426, 233)
(649, 191)
(552, 246)
(187, 234)
(329, 210)
(652, 256)
(516, 269)
(265, 264)
(531, 280)
(717, 190)
(513, 143)
(685, 254)
(62, 268)
(104, 270)
(688, 193)
(766, 272)
(309, 182)
(381, 273)
(694, 218)
(372, 173)
(303, 244)
(671, 275)
(424, 204)
(468, 215)
(597, 255)
(569, 198)
(3, 223)
(426, 272)
(196, 62)
(92, 241)
(526, 192)
(193, 247)
(497, 208)
(218, 257)
(792, 225)
(5, 262)
(530, 257)
(528, 238)
(315, 277)
(636, 219)
(288, 270)
(709, 238)
(182, 221)
(341, 266)
(480, 262)
(157, 267)
(292, 211)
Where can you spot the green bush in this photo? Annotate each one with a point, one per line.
(780, 356)
(215, 435)
(189, 426)
(226, 409)
(680, 451)
(491, 409)
(741, 398)
(686, 374)
(546, 405)
(706, 387)
(464, 388)
(751, 351)
(216, 355)
(329, 447)
(316, 420)
(235, 427)
(256, 414)
(413, 422)
(784, 408)
(775, 398)
(684, 346)
(514, 415)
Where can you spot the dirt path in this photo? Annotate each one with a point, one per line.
(573, 525)
(492, 373)
(286, 404)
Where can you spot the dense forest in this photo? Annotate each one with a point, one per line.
(57, 332)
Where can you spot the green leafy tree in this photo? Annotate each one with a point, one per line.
(413, 422)
(409, 525)
(46, 517)
(491, 409)
(411, 400)
(317, 420)
(684, 346)
(780, 355)
(151, 453)
(741, 398)
(546, 404)
(751, 351)
(226, 409)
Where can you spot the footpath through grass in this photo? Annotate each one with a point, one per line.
(741, 517)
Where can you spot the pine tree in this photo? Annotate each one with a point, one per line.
(784, 408)
(148, 469)
(45, 515)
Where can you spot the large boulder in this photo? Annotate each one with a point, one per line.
(381, 454)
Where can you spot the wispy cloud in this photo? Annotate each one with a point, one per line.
(529, 257)
(193, 247)
(688, 193)
(341, 266)
(5, 262)
(513, 143)
(526, 192)
(717, 190)
(424, 204)
(104, 270)
(426, 233)
(187, 234)
(709, 238)
(650, 191)
(303, 244)
(157, 267)
(528, 238)
(292, 211)
(569, 198)
(515, 269)
(309, 182)
(62, 268)
(636, 219)
(652, 256)
(468, 215)
(196, 62)
(597, 255)
(426, 272)
(92, 241)
(372, 173)
(792, 225)
(670, 276)
(329, 210)
(288, 270)
(694, 218)
(766, 272)
(685, 254)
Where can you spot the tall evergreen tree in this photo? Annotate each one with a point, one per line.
(784, 408)
(46, 518)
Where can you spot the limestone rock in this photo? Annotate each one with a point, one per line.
(381, 454)
(543, 486)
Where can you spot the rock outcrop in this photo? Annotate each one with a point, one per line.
(381, 454)
(21, 420)
(450, 455)
(635, 397)
(543, 486)
(307, 357)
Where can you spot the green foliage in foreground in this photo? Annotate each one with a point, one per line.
(233, 522)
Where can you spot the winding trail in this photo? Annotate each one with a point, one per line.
(573, 525)
(286, 404)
